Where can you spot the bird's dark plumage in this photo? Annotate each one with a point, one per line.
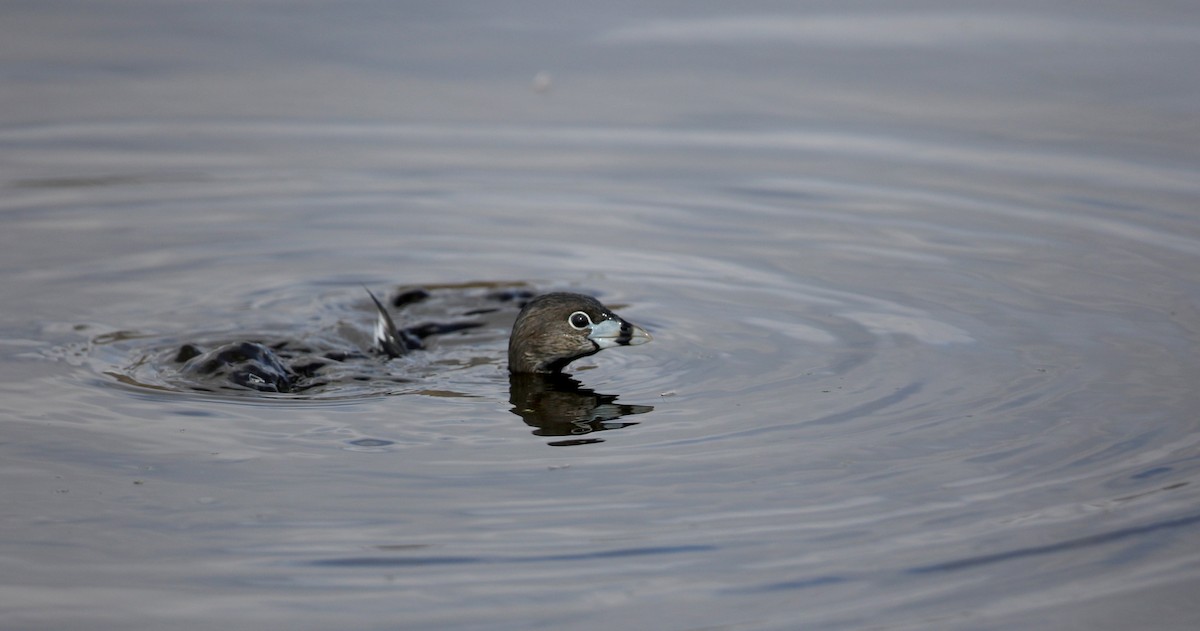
(555, 329)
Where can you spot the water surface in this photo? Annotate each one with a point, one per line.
(924, 285)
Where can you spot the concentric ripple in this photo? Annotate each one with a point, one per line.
(868, 388)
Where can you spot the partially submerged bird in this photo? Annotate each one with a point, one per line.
(551, 331)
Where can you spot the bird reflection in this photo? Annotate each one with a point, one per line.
(557, 405)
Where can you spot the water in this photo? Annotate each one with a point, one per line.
(923, 284)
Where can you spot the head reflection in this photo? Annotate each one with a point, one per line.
(557, 405)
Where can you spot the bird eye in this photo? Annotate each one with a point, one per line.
(579, 320)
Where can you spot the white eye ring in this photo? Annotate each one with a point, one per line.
(579, 321)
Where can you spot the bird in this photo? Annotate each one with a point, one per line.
(554, 329)
(551, 331)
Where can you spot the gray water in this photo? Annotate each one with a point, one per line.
(923, 280)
